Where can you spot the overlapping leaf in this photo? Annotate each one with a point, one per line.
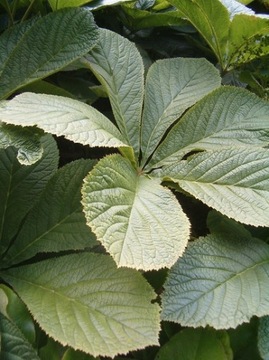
(219, 281)
(263, 336)
(89, 298)
(236, 183)
(228, 117)
(22, 182)
(57, 115)
(139, 222)
(118, 65)
(53, 42)
(172, 86)
(56, 222)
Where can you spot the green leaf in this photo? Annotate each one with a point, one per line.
(118, 65)
(235, 183)
(72, 354)
(13, 344)
(139, 222)
(81, 297)
(197, 344)
(219, 281)
(22, 182)
(43, 47)
(172, 86)
(56, 222)
(26, 140)
(263, 337)
(57, 115)
(228, 117)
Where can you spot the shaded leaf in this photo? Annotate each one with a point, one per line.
(56, 222)
(235, 183)
(89, 298)
(139, 222)
(45, 46)
(22, 182)
(219, 281)
(263, 337)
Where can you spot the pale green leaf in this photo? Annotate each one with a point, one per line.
(26, 140)
(91, 4)
(57, 115)
(219, 281)
(72, 354)
(13, 344)
(138, 221)
(81, 297)
(211, 19)
(228, 117)
(44, 47)
(118, 65)
(56, 222)
(197, 344)
(235, 183)
(172, 86)
(263, 337)
(22, 182)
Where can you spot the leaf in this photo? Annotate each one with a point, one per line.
(172, 86)
(139, 222)
(56, 223)
(45, 46)
(15, 310)
(263, 337)
(235, 183)
(81, 297)
(13, 343)
(194, 344)
(118, 65)
(228, 117)
(57, 115)
(22, 182)
(26, 140)
(92, 5)
(219, 281)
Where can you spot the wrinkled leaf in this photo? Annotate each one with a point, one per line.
(235, 183)
(139, 222)
(56, 222)
(22, 182)
(89, 298)
(219, 281)
(263, 337)
(57, 115)
(48, 45)
(172, 86)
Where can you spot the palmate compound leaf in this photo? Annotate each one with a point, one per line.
(56, 223)
(84, 301)
(138, 221)
(233, 182)
(220, 281)
(172, 86)
(228, 117)
(118, 65)
(39, 49)
(58, 115)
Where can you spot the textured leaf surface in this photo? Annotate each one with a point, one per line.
(58, 115)
(229, 117)
(197, 344)
(139, 222)
(40, 48)
(13, 344)
(78, 298)
(172, 86)
(263, 337)
(22, 182)
(27, 141)
(118, 65)
(232, 182)
(219, 281)
(56, 222)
